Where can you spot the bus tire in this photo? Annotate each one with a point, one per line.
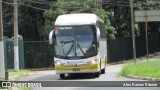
(62, 76)
(103, 71)
(96, 74)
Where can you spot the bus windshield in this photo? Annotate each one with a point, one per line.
(75, 42)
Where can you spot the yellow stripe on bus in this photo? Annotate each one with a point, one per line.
(92, 66)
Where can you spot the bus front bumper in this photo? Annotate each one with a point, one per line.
(77, 69)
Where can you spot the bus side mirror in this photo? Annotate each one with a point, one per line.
(51, 37)
(98, 35)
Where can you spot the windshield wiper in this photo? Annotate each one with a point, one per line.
(67, 42)
(64, 43)
(69, 50)
(80, 49)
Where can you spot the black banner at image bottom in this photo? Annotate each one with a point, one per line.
(79, 83)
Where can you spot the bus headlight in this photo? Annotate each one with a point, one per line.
(92, 62)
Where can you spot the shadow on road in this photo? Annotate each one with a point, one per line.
(79, 76)
(56, 77)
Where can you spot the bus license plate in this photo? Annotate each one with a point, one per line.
(76, 69)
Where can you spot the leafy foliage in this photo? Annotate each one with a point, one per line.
(7, 19)
(121, 16)
(148, 5)
(35, 24)
(76, 6)
(29, 20)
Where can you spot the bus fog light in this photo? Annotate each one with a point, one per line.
(58, 63)
(93, 62)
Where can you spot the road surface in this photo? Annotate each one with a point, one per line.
(110, 75)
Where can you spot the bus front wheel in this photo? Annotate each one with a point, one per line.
(62, 76)
(103, 71)
(96, 74)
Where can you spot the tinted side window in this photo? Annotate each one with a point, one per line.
(102, 29)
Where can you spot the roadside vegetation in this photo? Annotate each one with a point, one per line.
(26, 88)
(37, 18)
(16, 75)
(145, 69)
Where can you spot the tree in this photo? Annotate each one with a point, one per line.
(121, 15)
(75, 6)
(35, 24)
(148, 5)
(7, 19)
(29, 19)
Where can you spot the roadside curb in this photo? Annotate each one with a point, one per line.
(143, 78)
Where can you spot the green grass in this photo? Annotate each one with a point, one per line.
(18, 74)
(26, 88)
(146, 69)
(22, 88)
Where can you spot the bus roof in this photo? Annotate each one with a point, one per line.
(77, 19)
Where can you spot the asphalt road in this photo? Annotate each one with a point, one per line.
(110, 75)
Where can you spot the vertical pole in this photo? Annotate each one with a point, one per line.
(16, 53)
(133, 34)
(146, 23)
(2, 67)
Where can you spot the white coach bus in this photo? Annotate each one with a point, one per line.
(80, 44)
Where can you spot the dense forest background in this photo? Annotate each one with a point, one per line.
(37, 17)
